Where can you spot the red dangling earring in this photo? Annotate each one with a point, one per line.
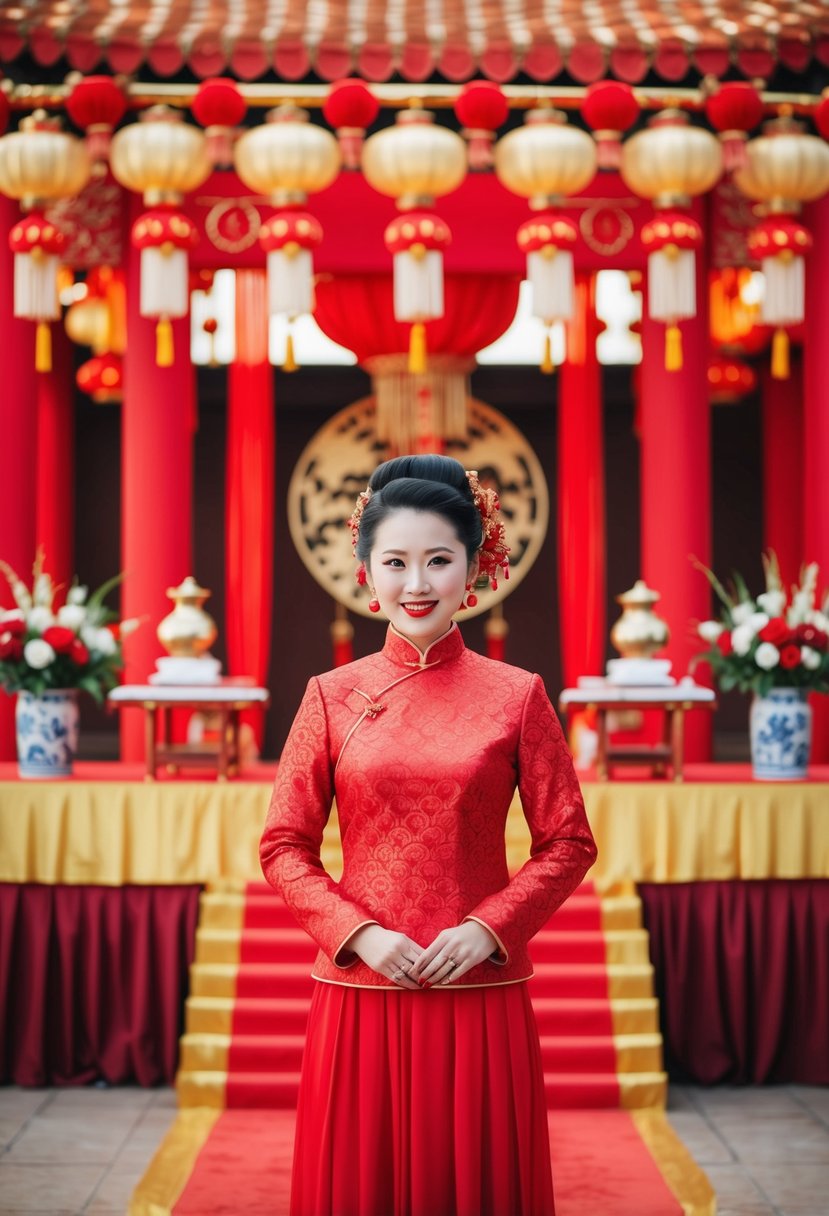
(374, 604)
(471, 598)
(361, 575)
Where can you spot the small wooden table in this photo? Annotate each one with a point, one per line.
(674, 699)
(226, 698)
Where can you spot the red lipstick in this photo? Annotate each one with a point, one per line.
(418, 608)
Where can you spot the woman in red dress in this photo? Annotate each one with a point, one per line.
(422, 1090)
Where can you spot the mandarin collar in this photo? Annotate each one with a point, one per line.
(404, 652)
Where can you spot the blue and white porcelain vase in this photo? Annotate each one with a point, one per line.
(47, 732)
(781, 735)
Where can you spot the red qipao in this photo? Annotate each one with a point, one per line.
(424, 1103)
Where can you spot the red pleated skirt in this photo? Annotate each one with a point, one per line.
(421, 1104)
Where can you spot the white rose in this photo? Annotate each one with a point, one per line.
(72, 616)
(772, 602)
(741, 638)
(740, 613)
(104, 642)
(758, 621)
(77, 595)
(89, 635)
(13, 614)
(767, 656)
(38, 654)
(811, 659)
(130, 626)
(40, 618)
(709, 631)
(819, 619)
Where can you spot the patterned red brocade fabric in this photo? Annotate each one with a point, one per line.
(423, 754)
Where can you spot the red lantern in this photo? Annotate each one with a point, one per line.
(781, 243)
(350, 108)
(734, 110)
(288, 239)
(164, 237)
(96, 104)
(219, 107)
(609, 109)
(101, 378)
(548, 240)
(481, 108)
(671, 239)
(37, 244)
(417, 240)
(729, 379)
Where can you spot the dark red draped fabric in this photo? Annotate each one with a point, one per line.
(743, 978)
(93, 981)
(358, 312)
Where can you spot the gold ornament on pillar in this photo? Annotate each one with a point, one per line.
(39, 164)
(415, 162)
(545, 161)
(785, 168)
(670, 163)
(163, 158)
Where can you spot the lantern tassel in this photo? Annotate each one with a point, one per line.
(164, 342)
(673, 349)
(417, 349)
(547, 365)
(43, 347)
(780, 355)
(289, 363)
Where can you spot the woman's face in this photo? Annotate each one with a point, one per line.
(419, 571)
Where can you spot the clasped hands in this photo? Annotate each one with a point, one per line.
(394, 955)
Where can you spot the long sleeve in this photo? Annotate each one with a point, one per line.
(290, 847)
(562, 849)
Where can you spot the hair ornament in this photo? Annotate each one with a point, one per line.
(354, 525)
(494, 551)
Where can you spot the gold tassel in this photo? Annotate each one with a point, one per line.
(43, 347)
(164, 342)
(673, 349)
(417, 349)
(547, 365)
(780, 355)
(289, 363)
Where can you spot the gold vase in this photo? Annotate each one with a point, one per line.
(639, 633)
(188, 631)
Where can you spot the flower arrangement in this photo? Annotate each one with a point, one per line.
(76, 646)
(773, 641)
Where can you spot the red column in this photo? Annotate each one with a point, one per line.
(156, 494)
(676, 490)
(18, 438)
(56, 463)
(816, 431)
(581, 494)
(783, 469)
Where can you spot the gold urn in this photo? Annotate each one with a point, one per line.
(188, 631)
(639, 633)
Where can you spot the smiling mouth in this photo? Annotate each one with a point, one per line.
(419, 608)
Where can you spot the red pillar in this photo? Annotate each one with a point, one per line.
(783, 469)
(816, 431)
(676, 490)
(56, 463)
(581, 495)
(156, 496)
(18, 429)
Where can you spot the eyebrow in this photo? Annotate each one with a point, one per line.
(402, 552)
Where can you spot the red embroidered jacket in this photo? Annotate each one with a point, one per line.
(423, 753)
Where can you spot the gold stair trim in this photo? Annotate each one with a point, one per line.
(684, 1178)
(621, 912)
(640, 1090)
(218, 946)
(209, 1015)
(637, 1053)
(222, 910)
(204, 1052)
(198, 1088)
(625, 946)
(625, 981)
(636, 1015)
(169, 1171)
(213, 979)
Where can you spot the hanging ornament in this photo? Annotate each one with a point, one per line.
(288, 239)
(219, 107)
(734, 109)
(669, 163)
(162, 157)
(350, 108)
(96, 104)
(37, 244)
(88, 322)
(481, 108)
(545, 161)
(102, 378)
(415, 161)
(609, 109)
(780, 244)
(729, 379)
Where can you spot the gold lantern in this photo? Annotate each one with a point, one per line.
(671, 162)
(785, 168)
(414, 162)
(88, 322)
(39, 164)
(545, 161)
(162, 158)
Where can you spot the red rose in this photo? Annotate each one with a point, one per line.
(11, 648)
(724, 642)
(78, 653)
(810, 635)
(790, 656)
(115, 630)
(777, 631)
(16, 627)
(59, 638)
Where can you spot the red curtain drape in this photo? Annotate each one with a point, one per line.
(56, 463)
(93, 981)
(249, 502)
(742, 976)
